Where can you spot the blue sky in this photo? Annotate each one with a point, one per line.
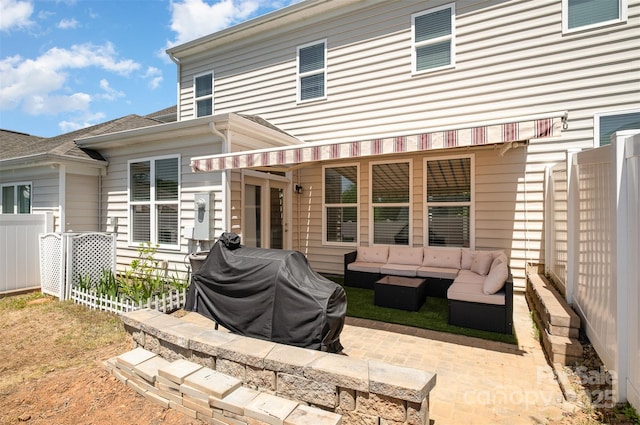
(68, 64)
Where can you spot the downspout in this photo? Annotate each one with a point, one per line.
(226, 179)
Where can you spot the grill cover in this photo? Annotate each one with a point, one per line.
(269, 294)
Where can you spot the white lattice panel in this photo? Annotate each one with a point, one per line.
(51, 264)
(89, 254)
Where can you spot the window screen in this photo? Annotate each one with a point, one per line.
(433, 39)
(341, 203)
(589, 12)
(609, 124)
(449, 202)
(311, 71)
(204, 95)
(390, 203)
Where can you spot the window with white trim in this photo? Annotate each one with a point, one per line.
(433, 39)
(606, 124)
(448, 205)
(203, 98)
(390, 203)
(154, 191)
(16, 198)
(340, 204)
(312, 71)
(585, 14)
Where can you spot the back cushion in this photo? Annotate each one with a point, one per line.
(405, 255)
(496, 277)
(466, 259)
(481, 262)
(372, 254)
(442, 257)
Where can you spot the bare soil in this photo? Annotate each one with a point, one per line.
(51, 371)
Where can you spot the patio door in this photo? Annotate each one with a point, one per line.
(265, 213)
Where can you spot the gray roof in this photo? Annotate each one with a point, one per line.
(18, 145)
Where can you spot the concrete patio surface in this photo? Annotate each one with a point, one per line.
(478, 381)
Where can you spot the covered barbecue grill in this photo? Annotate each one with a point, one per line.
(270, 294)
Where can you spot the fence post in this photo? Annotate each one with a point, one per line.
(573, 211)
(549, 222)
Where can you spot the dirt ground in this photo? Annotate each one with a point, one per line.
(51, 371)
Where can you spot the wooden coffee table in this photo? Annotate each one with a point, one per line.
(404, 293)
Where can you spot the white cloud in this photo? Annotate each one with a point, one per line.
(36, 84)
(82, 121)
(155, 77)
(191, 19)
(109, 92)
(15, 14)
(67, 24)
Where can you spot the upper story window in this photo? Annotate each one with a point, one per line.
(16, 198)
(203, 94)
(340, 204)
(448, 203)
(312, 71)
(154, 190)
(607, 124)
(434, 38)
(391, 203)
(585, 14)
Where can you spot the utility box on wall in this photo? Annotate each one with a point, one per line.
(203, 210)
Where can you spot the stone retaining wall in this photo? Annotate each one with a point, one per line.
(363, 392)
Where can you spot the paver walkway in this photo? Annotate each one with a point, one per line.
(478, 381)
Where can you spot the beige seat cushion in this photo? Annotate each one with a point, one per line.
(405, 255)
(442, 257)
(467, 276)
(472, 292)
(361, 266)
(372, 254)
(437, 272)
(399, 269)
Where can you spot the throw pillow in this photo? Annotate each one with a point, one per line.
(467, 259)
(495, 279)
(481, 262)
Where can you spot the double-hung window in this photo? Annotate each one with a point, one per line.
(340, 204)
(154, 190)
(203, 98)
(312, 71)
(390, 203)
(608, 123)
(584, 14)
(449, 208)
(434, 39)
(16, 198)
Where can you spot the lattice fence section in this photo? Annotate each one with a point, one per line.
(88, 255)
(52, 264)
(165, 303)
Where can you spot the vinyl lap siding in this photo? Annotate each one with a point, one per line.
(511, 59)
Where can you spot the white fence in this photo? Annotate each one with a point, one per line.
(165, 303)
(19, 255)
(593, 250)
(68, 257)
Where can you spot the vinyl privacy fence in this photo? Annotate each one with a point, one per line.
(593, 250)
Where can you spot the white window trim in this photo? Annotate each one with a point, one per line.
(596, 122)
(153, 203)
(325, 206)
(451, 37)
(197, 99)
(15, 196)
(622, 5)
(314, 72)
(402, 204)
(471, 203)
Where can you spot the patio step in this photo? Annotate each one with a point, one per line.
(559, 325)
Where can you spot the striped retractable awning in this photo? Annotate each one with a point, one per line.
(511, 130)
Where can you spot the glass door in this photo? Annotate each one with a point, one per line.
(265, 224)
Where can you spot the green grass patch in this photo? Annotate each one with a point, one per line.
(432, 315)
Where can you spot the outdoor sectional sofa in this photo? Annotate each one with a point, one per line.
(477, 284)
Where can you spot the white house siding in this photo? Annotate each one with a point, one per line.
(511, 60)
(81, 203)
(115, 190)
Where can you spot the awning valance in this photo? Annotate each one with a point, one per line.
(478, 134)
